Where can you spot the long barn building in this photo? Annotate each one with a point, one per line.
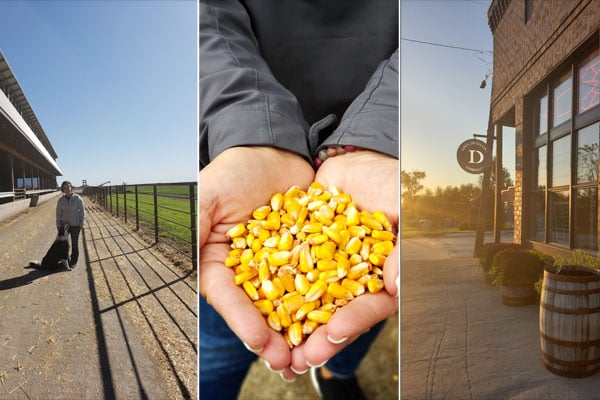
(28, 165)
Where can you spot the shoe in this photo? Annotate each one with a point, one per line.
(336, 389)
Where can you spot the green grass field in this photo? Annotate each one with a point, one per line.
(173, 206)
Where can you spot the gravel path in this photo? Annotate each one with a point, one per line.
(122, 324)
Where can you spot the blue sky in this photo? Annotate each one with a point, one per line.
(441, 102)
(113, 83)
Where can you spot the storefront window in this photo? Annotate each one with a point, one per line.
(562, 101)
(539, 223)
(587, 154)
(561, 161)
(586, 218)
(559, 217)
(541, 168)
(543, 117)
(589, 84)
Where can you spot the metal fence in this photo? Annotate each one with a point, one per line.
(165, 210)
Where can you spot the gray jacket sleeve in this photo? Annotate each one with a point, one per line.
(241, 103)
(371, 120)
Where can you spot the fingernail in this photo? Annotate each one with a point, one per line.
(299, 372)
(316, 366)
(268, 365)
(286, 379)
(337, 341)
(398, 285)
(253, 350)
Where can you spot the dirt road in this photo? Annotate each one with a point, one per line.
(121, 325)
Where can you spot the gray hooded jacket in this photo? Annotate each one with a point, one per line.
(298, 75)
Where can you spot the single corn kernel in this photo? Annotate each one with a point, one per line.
(326, 265)
(250, 290)
(374, 285)
(358, 270)
(261, 213)
(383, 220)
(368, 220)
(244, 276)
(247, 256)
(264, 306)
(353, 286)
(272, 242)
(301, 284)
(382, 235)
(313, 228)
(232, 261)
(273, 321)
(305, 309)
(339, 292)
(284, 316)
(270, 291)
(238, 243)
(279, 258)
(384, 248)
(295, 333)
(276, 201)
(293, 303)
(264, 272)
(309, 327)
(329, 276)
(316, 290)
(236, 231)
(353, 246)
(352, 215)
(286, 241)
(327, 250)
(288, 282)
(319, 316)
(377, 259)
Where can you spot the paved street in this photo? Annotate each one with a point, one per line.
(460, 342)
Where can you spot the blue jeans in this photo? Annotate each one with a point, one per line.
(225, 361)
(74, 232)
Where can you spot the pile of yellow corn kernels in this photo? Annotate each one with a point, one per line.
(306, 254)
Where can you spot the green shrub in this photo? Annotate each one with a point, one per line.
(516, 267)
(488, 251)
(463, 226)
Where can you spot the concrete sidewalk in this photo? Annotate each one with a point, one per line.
(460, 342)
(122, 324)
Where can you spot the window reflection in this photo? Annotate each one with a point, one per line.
(559, 217)
(586, 218)
(587, 154)
(589, 84)
(562, 101)
(561, 161)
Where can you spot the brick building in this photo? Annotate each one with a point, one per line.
(546, 84)
(27, 160)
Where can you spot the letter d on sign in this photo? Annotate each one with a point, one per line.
(473, 156)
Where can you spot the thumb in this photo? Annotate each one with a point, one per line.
(391, 272)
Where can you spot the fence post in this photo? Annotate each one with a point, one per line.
(193, 226)
(125, 201)
(110, 198)
(155, 195)
(137, 210)
(117, 199)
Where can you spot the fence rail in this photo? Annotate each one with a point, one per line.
(165, 210)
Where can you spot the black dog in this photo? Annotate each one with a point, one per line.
(58, 254)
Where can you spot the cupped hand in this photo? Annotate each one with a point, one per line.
(372, 180)
(235, 183)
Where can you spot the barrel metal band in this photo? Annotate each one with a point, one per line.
(580, 363)
(588, 343)
(576, 311)
(572, 292)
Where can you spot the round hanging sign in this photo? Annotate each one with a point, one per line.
(473, 157)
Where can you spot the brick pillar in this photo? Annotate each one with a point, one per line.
(519, 171)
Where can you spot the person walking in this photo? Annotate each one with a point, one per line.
(71, 210)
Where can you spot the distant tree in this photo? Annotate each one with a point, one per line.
(505, 179)
(411, 181)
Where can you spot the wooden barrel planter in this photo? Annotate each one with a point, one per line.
(518, 295)
(569, 321)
